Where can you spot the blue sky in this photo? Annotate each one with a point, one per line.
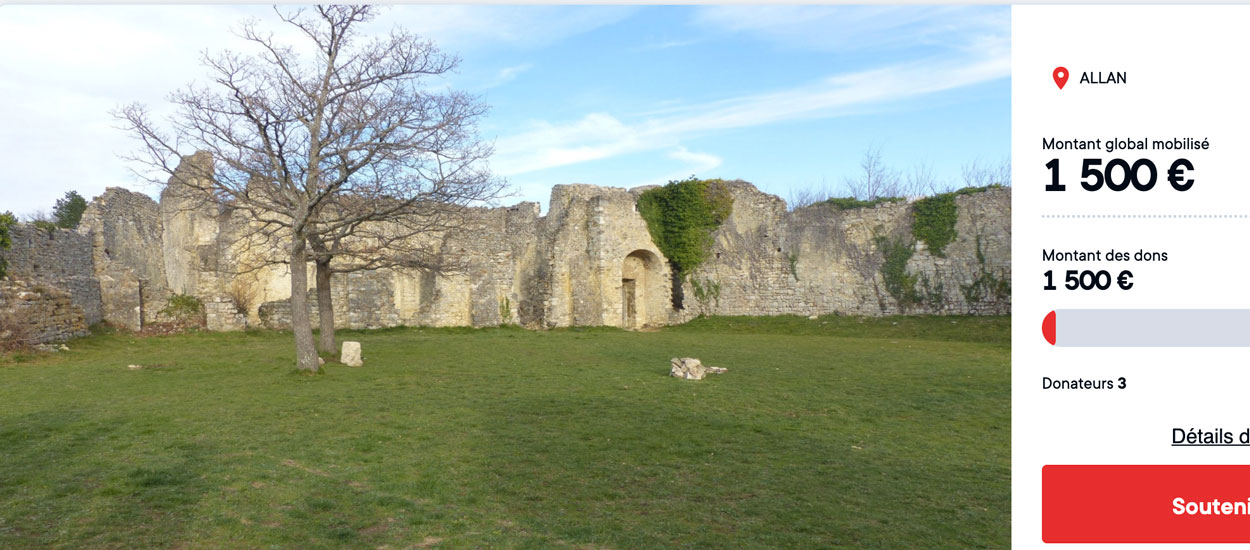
(785, 97)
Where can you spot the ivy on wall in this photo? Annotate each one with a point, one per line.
(681, 217)
(933, 218)
(933, 222)
(895, 252)
(7, 222)
(986, 287)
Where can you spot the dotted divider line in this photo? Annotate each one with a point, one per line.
(1152, 216)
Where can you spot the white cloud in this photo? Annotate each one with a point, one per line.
(698, 164)
(850, 28)
(666, 45)
(508, 74)
(466, 28)
(63, 68)
(602, 135)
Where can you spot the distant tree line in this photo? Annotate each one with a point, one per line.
(65, 214)
(877, 182)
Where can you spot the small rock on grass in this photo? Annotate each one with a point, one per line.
(689, 368)
(351, 354)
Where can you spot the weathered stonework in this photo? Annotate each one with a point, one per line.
(589, 261)
(61, 259)
(818, 260)
(221, 314)
(126, 238)
(35, 313)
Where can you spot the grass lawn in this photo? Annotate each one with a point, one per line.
(838, 432)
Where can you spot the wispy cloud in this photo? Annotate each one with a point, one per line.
(603, 135)
(467, 28)
(854, 28)
(667, 44)
(695, 163)
(508, 74)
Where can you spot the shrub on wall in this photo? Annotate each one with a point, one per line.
(851, 203)
(7, 222)
(184, 308)
(681, 217)
(68, 210)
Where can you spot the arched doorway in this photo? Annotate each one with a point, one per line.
(639, 274)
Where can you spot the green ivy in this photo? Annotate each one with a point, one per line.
(7, 222)
(933, 218)
(851, 203)
(895, 253)
(986, 286)
(707, 292)
(505, 310)
(933, 221)
(932, 294)
(975, 190)
(681, 217)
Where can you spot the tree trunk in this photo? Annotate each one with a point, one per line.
(325, 308)
(305, 351)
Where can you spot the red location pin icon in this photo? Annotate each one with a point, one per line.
(1061, 76)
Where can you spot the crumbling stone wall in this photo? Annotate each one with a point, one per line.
(818, 260)
(59, 258)
(589, 261)
(36, 313)
(126, 236)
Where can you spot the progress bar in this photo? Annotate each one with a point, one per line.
(1154, 328)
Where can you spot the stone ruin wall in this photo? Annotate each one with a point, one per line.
(818, 260)
(590, 261)
(59, 259)
(51, 292)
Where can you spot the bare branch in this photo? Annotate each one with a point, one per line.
(344, 156)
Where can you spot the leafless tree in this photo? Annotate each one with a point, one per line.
(808, 196)
(978, 174)
(921, 181)
(316, 147)
(876, 179)
(402, 236)
(37, 216)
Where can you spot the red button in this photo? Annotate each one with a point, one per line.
(1146, 504)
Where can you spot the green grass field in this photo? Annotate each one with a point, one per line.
(839, 432)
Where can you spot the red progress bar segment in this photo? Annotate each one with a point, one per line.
(1146, 504)
(1147, 327)
(1048, 328)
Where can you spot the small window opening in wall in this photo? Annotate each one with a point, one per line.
(718, 255)
(778, 250)
(635, 207)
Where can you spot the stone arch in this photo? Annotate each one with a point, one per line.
(642, 290)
